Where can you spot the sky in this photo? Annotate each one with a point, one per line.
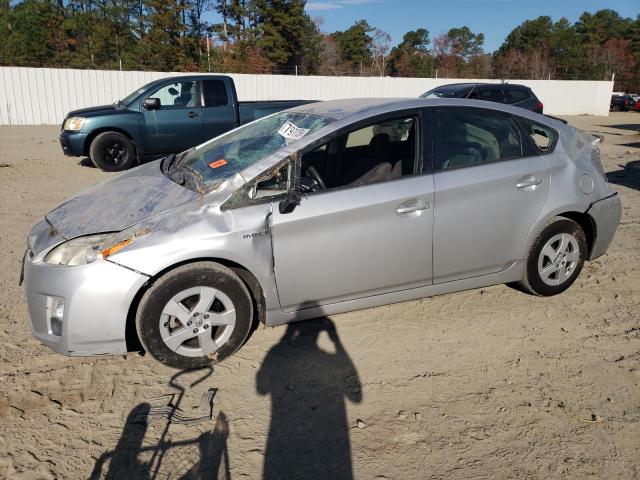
(494, 18)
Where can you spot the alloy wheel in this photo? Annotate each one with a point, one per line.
(558, 259)
(197, 321)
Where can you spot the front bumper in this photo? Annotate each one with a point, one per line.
(606, 214)
(96, 297)
(72, 143)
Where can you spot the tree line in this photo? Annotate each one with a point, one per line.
(278, 36)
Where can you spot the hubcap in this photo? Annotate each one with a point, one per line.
(197, 321)
(558, 259)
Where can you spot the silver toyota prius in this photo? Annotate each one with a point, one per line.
(321, 209)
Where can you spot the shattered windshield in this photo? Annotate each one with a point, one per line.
(220, 158)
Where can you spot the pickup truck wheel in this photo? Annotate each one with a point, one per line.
(195, 315)
(556, 258)
(112, 152)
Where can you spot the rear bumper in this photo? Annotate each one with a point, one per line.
(72, 143)
(606, 214)
(96, 297)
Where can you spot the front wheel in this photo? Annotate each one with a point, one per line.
(556, 258)
(112, 152)
(195, 315)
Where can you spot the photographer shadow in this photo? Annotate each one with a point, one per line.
(125, 460)
(309, 430)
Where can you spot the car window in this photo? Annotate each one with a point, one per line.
(443, 93)
(543, 137)
(516, 95)
(491, 95)
(176, 95)
(470, 137)
(274, 184)
(214, 93)
(376, 153)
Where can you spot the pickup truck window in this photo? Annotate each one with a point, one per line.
(224, 156)
(214, 93)
(177, 95)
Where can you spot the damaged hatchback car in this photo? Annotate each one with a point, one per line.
(318, 210)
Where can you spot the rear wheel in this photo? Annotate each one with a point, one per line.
(195, 315)
(112, 152)
(556, 258)
(616, 108)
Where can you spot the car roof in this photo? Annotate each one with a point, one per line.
(185, 78)
(355, 109)
(453, 87)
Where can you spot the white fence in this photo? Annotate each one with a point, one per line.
(43, 96)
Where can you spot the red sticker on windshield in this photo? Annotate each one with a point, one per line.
(218, 163)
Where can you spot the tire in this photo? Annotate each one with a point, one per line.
(616, 108)
(195, 315)
(112, 152)
(555, 259)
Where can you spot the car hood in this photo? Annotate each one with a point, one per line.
(96, 111)
(119, 202)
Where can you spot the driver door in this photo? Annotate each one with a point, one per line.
(177, 125)
(361, 239)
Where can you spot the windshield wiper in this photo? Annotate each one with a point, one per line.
(178, 176)
(167, 162)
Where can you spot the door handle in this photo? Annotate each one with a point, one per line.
(412, 206)
(528, 183)
(193, 114)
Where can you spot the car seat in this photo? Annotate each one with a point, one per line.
(185, 96)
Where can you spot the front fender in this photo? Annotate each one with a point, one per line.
(127, 124)
(240, 237)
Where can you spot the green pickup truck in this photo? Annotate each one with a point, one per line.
(165, 116)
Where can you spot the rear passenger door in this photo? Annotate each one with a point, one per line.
(490, 187)
(218, 112)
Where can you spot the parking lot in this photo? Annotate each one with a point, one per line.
(483, 383)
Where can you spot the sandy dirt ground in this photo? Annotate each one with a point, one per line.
(489, 383)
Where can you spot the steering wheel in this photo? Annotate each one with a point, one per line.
(316, 176)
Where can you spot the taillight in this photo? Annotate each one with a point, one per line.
(540, 107)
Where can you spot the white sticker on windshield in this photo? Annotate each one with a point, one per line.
(291, 132)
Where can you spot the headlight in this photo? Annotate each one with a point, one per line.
(85, 250)
(73, 124)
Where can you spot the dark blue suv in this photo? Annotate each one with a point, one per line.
(511, 94)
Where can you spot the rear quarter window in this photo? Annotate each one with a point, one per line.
(516, 95)
(543, 137)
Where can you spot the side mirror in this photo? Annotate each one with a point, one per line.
(151, 103)
(289, 203)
